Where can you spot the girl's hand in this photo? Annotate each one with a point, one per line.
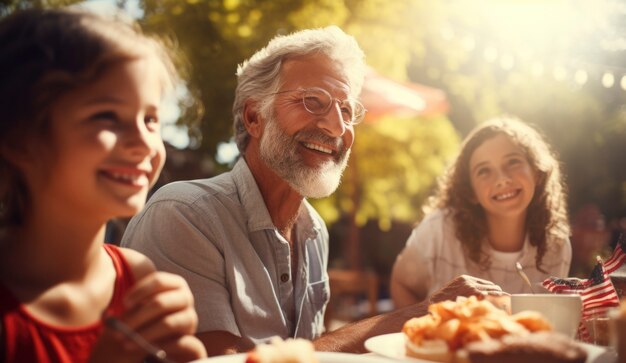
(113, 346)
(160, 309)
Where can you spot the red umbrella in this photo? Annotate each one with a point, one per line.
(383, 96)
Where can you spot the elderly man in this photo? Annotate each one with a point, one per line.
(252, 249)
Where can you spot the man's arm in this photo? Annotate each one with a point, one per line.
(222, 342)
(351, 337)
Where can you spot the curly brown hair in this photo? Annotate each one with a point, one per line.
(546, 217)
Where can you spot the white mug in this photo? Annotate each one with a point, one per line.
(563, 311)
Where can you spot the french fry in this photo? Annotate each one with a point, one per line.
(467, 320)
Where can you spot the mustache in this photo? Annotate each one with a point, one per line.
(322, 138)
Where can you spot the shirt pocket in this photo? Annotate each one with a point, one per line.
(319, 292)
(317, 296)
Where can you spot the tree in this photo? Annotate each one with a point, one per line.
(485, 64)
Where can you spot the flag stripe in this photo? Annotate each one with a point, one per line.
(618, 256)
(615, 261)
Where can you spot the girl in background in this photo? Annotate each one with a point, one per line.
(502, 201)
(80, 144)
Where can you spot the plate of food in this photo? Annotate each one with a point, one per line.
(471, 330)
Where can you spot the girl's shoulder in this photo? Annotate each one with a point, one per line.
(558, 246)
(139, 264)
(435, 226)
(438, 218)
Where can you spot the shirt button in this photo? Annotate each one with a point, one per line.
(284, 277)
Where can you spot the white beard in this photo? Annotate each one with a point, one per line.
(279, 151)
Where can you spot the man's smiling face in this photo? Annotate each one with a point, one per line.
(308, 151)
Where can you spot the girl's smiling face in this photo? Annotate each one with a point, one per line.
(502, 179)
(105, 149)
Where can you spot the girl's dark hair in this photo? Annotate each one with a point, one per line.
(43, 55)
(546, 218)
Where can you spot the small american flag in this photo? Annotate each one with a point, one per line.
(597, 292)
(618, 257)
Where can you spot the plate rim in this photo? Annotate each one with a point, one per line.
(368, 342)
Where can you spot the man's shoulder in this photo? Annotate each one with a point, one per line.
(189, 191)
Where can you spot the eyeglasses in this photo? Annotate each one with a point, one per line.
(319, 102)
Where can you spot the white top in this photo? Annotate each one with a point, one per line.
(433, 256)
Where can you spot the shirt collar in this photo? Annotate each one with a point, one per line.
(306, 222)
(254, 206)
(527, 252)
(251, 198)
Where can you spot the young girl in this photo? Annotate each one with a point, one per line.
(80, 144)
(502, 201)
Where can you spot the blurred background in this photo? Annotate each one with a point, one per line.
(438, 68)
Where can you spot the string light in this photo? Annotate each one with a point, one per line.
(608, 80)
(580, 77)
(563, 43)
(508, 61)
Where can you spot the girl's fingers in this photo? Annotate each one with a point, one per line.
(183, 349)
(157, 306)
(160, 309)
(182, 322)
(113, 347)
(157, 331)
(155, 283)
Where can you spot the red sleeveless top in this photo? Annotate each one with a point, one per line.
(27, 339)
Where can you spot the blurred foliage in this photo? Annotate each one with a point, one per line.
(437, 43)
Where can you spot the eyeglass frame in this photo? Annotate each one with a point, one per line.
(333, 100)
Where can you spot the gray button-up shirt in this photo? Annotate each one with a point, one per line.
(218, 235)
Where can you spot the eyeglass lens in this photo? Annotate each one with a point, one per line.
(318, 102)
